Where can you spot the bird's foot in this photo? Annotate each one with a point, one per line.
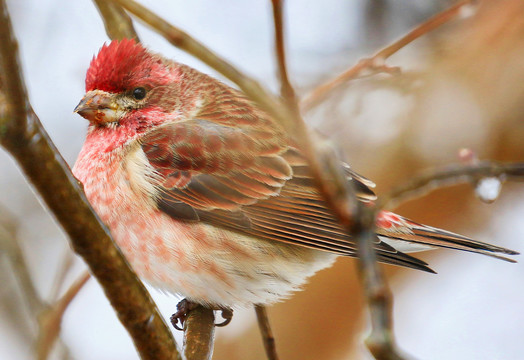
(182, 312)
(227, 314)
(185, 306)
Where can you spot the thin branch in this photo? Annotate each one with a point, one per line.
(65, 267)
(286, 90)
(9, 245)
(117, 22)
(376, 63)
(451, 175)
(380, 342)
(360, 226)
(22, 134)
(265, 330)
(50, 320)
(199, 334)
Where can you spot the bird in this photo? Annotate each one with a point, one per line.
(205, 193)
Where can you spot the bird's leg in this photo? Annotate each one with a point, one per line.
(185, 306)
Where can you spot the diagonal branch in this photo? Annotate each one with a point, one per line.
(50, 320)
(361, 227)
(376, 63)
(23, 136)
(117, 23)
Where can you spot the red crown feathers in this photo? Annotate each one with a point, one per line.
(124, 64)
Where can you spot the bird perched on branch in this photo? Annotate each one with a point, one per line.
(206, 195)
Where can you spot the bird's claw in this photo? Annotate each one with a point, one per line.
(185, 306)
(182, 312)
(227, 314)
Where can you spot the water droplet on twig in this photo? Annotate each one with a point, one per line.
(488, 189)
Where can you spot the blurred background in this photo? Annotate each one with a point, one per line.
(461, 86)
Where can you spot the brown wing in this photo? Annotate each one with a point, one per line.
(248, 180)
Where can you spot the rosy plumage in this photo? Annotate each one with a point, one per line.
(206, 195)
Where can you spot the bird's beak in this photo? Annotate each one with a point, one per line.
(98, 106)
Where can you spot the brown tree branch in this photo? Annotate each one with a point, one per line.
(329, 179)
(117, 22)
(265, 330)
(199, 334)
(380, 342)
(23, 136)
(376, 63)
(199, 329)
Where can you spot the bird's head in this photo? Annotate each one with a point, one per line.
(127, 84)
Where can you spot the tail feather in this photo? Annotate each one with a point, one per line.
(426, 235)
(404, 260)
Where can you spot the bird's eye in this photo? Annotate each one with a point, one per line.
(139, 93)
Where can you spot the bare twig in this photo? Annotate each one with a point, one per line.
(65, 267)
(378, 296)
(50, 320)
(199, 334)
(451, 175)
(286, 90)
(265, 331)
(376, 63)
(22, 134)
(116, 21)
(9, 245)
(361, 227)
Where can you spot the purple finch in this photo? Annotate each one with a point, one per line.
(206, 195)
